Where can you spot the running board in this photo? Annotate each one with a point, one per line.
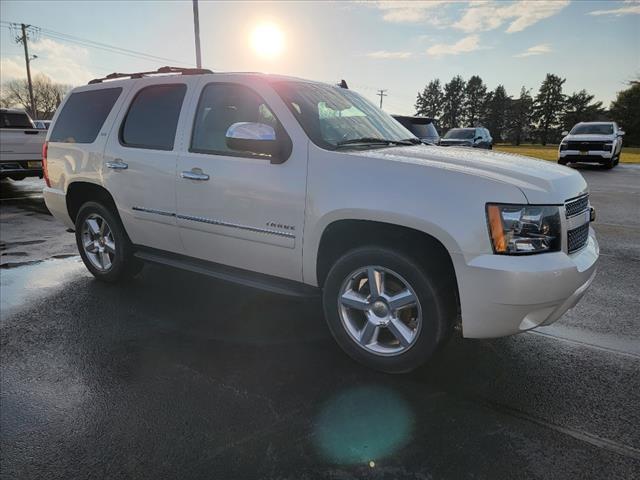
(238, 276)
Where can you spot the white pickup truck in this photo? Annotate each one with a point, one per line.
(20, 145)
(301, 187)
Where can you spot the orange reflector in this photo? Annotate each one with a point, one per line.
(497, 230)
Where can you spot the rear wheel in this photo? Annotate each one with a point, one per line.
(103, 244)
(385, 310)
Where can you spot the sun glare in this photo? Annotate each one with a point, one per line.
(267, 40)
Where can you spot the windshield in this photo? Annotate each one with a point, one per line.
(461, 133)
(593, 129)
(333, 117)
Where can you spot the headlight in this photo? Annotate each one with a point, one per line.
(563, 145)
(607, 147)
(524, 229)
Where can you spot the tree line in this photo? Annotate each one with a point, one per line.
(535, 118)
(47, 95)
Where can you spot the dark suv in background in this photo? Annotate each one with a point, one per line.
(478, 137)
(422, 127)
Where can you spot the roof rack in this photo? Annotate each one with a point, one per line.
(161, 70)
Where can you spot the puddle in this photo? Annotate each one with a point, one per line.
(18, 285)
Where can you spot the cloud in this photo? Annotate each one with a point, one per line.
(411, 12)
(632, 6)
(464, 45)
(520, 15)
(535, 50)
(383, 54)
(62, 63)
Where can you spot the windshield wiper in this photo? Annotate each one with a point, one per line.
(375, 141)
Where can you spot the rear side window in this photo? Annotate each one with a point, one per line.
(14, 120)
(83, 115)
(152, 119)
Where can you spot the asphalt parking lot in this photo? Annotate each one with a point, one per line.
(174, 375)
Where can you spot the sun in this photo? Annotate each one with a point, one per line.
(267, 41)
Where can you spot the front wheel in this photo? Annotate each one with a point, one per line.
(103, 244)
(385, 310)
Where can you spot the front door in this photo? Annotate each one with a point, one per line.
(239, 208)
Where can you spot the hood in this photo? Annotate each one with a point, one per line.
(589, 138)
(540, 181)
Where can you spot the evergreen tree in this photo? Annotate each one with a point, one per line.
(454, 99)
(578, 108)
(495, 115)
(625, 110)
(475, 93)
(548, 108)
(430, 100)
(519, 117)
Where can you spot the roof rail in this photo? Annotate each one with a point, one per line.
(161, 70)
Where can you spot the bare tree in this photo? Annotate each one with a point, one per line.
(47, 95)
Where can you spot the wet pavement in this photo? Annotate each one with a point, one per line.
(174, 375)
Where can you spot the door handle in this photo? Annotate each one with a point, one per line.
(195, 175)
(118, 164)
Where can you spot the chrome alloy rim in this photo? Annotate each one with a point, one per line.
(380, 310)
(98, 242)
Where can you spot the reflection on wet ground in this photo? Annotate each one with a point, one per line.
(174, 375)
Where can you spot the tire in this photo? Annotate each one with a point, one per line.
(435, 308)
(104, 245)
(562, 161)
(609, 164)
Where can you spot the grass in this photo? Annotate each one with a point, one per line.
(550, 152)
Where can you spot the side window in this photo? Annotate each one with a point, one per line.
(83, 115)
(220, 106)
(152, 119)
(15, 120)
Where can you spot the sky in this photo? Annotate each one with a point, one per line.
(398, 46)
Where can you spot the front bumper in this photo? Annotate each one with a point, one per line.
(503, 295)
(589, 156)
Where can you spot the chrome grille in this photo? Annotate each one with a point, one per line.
(577, 238)
(578, 205)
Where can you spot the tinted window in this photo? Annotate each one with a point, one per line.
(423, 130)
(220, 106)
(15, 120)
(152, 119)
(83, 115)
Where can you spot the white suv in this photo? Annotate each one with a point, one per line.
(599, 142)
(299, 188)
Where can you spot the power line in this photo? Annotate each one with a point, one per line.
(102, 46)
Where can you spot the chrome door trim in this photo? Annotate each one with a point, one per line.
(211, 221)
(151, 210)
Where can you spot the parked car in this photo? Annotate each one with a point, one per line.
(422, 127)
(20, 145)
(596, 142)
(478, 137)
(305, 188)
(42, 124)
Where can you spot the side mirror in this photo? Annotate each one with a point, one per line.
(621, 133)
(252, 137)
(565, 133)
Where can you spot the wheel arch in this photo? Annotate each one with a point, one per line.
(80, 192)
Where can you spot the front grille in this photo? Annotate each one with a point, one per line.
(577, 205)
(584, 146)
(577, 238)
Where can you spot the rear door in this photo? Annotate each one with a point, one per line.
(139, 166)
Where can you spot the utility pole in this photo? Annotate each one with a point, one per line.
(196, 31)
(381, 94)
(27, 60)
